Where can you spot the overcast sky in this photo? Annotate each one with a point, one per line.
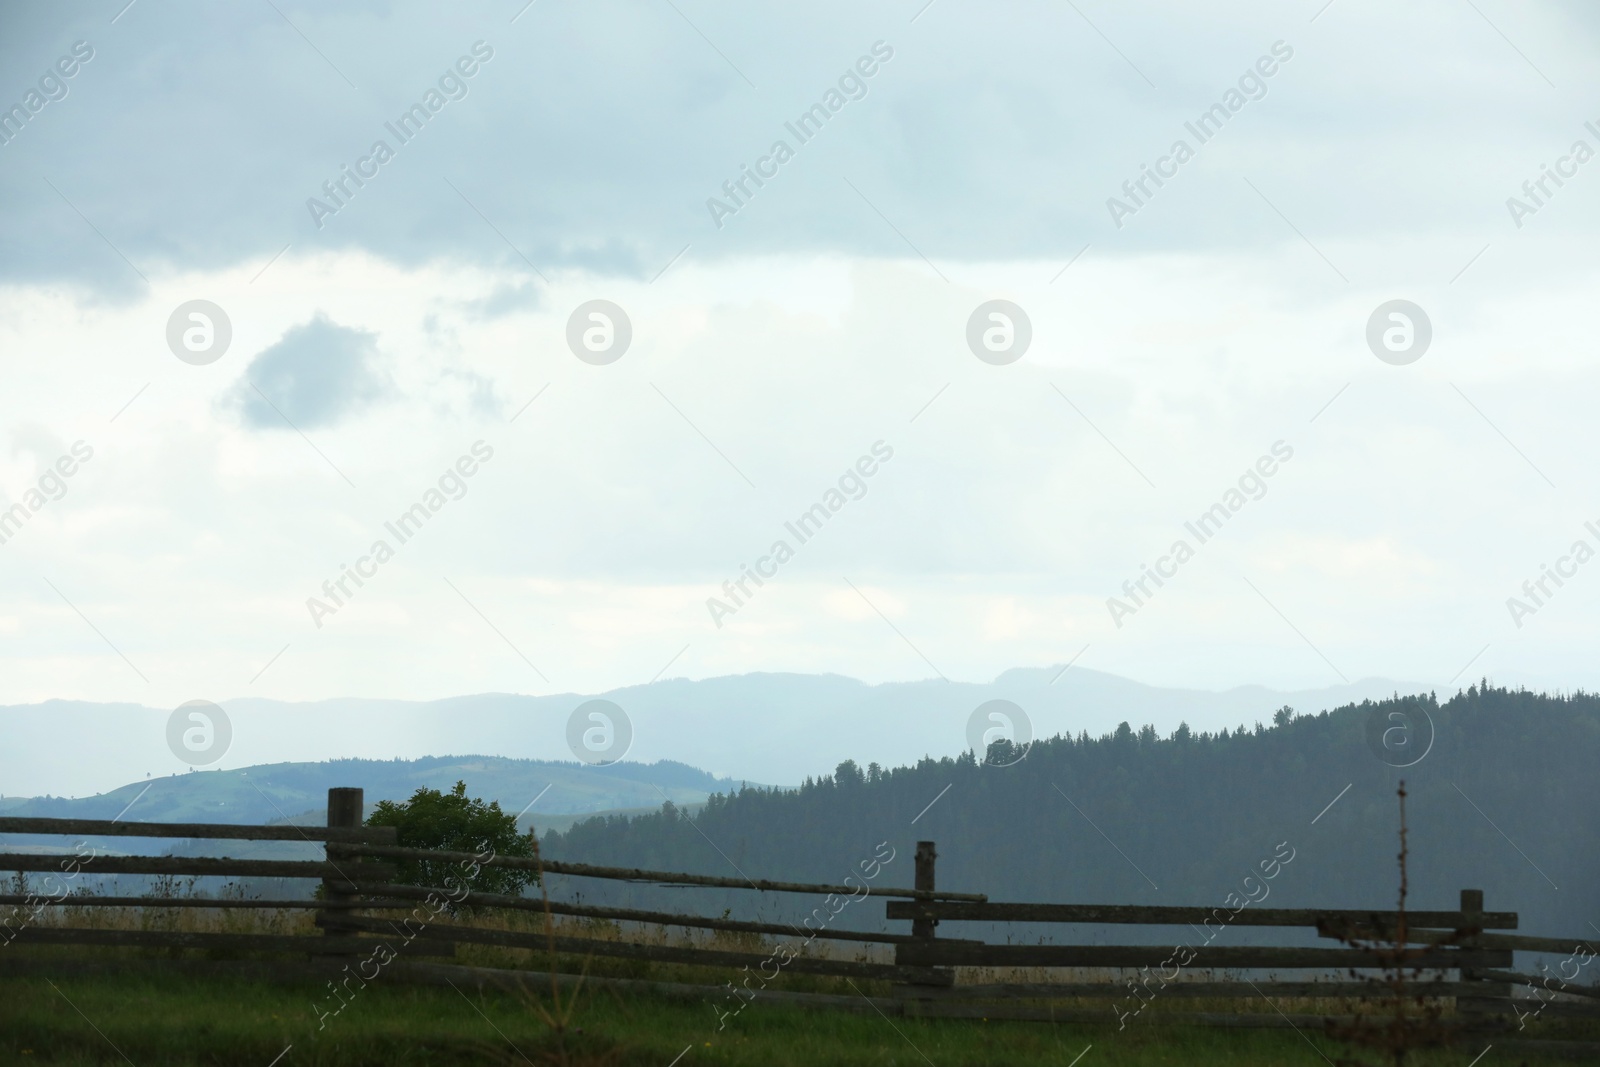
(387, 337)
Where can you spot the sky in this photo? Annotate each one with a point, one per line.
(592, 490)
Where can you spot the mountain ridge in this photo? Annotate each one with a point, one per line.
(551, 792)
(768, 726)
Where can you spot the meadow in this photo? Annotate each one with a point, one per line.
(153, 1018)
(81, 1006)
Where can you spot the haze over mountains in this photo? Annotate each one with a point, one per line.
(771, 728)
(548, 795)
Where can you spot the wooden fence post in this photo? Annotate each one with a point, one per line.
(926, 857)
(1496, 996)
(922, 930)
(345, 809)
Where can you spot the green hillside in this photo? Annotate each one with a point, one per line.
(1507, 800)
(298, 791)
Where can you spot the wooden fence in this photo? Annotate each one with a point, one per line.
(1465, 954)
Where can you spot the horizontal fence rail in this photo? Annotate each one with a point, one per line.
(95, 900)
(1588, 992)
(231, 831)
(957, 954)
(1517, 942)
(631, 874)
(1191, 990)
(654, 918)
(1180, 916)
(589, 946)
(295, 943)
(199, 866)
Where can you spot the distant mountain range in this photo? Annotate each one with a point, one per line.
(775, 728)
(548, 795)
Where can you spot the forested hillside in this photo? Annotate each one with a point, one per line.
(274, 792)
(1506, 800)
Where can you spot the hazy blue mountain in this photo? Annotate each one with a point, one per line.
(765, 727)
(552, 793)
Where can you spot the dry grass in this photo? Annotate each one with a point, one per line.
(301, 922)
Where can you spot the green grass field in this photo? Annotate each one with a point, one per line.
(154, 1018)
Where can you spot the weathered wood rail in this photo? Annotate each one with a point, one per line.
(633, 874)
(1467, 953)
(197, 830)
(1451, 942)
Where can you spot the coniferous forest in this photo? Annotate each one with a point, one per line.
(1506, 799)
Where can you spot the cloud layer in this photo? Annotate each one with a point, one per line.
(596, 135)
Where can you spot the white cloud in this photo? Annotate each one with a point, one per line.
(593, 537)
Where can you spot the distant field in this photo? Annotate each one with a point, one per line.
(158, 1019)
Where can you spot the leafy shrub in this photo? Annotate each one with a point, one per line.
(455, 822)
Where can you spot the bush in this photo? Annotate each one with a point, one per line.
(455, 822)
